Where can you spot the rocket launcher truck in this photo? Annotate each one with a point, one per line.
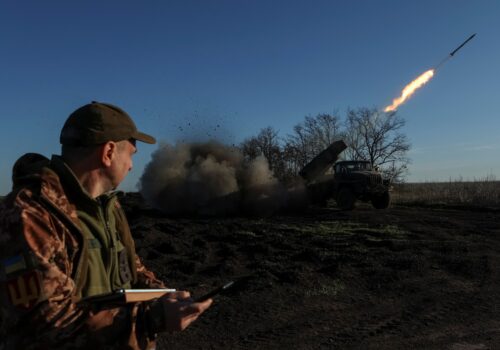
(345, 181)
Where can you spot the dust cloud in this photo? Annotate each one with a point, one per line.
(210, 178)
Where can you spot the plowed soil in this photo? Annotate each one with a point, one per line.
(402, 278)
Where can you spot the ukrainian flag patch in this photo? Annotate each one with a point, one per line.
(14, 264)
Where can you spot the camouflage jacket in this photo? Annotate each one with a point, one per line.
(43, 262)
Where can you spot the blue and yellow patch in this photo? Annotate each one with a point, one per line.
(14, 264)
(20, 280)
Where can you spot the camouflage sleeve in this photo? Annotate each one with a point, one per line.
(145, 277)
(37, 293)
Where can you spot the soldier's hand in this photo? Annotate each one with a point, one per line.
(178, 295)
(180, 311)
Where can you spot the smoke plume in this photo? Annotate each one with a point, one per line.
(211, 179)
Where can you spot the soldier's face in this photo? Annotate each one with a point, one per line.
(122, 162)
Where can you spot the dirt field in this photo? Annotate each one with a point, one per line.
(403, 278)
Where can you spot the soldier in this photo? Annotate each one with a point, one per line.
(64, 237)
(24, 166)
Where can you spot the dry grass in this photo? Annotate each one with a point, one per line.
(479, 193)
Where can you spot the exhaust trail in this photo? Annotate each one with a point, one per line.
(410, 89)
(422, 79)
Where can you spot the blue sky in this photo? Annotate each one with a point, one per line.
(225, 69)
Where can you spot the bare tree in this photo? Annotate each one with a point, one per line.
(293, 161)
(375, 136)
(266, 143)
(370, 135)
(310, 137)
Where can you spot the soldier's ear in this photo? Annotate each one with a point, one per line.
(108, 152)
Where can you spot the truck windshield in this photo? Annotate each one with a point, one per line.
(364, 166)
(355, 166)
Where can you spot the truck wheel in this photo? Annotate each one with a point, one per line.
(381, 201)
(346, 199)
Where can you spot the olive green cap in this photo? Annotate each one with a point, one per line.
(97, 123)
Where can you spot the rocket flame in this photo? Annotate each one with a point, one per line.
(410, 90)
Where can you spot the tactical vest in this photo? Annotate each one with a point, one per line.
(110, 247)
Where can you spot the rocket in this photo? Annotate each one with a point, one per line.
(465, 42)
(422, 79)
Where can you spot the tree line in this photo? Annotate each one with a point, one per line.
(369, 134)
